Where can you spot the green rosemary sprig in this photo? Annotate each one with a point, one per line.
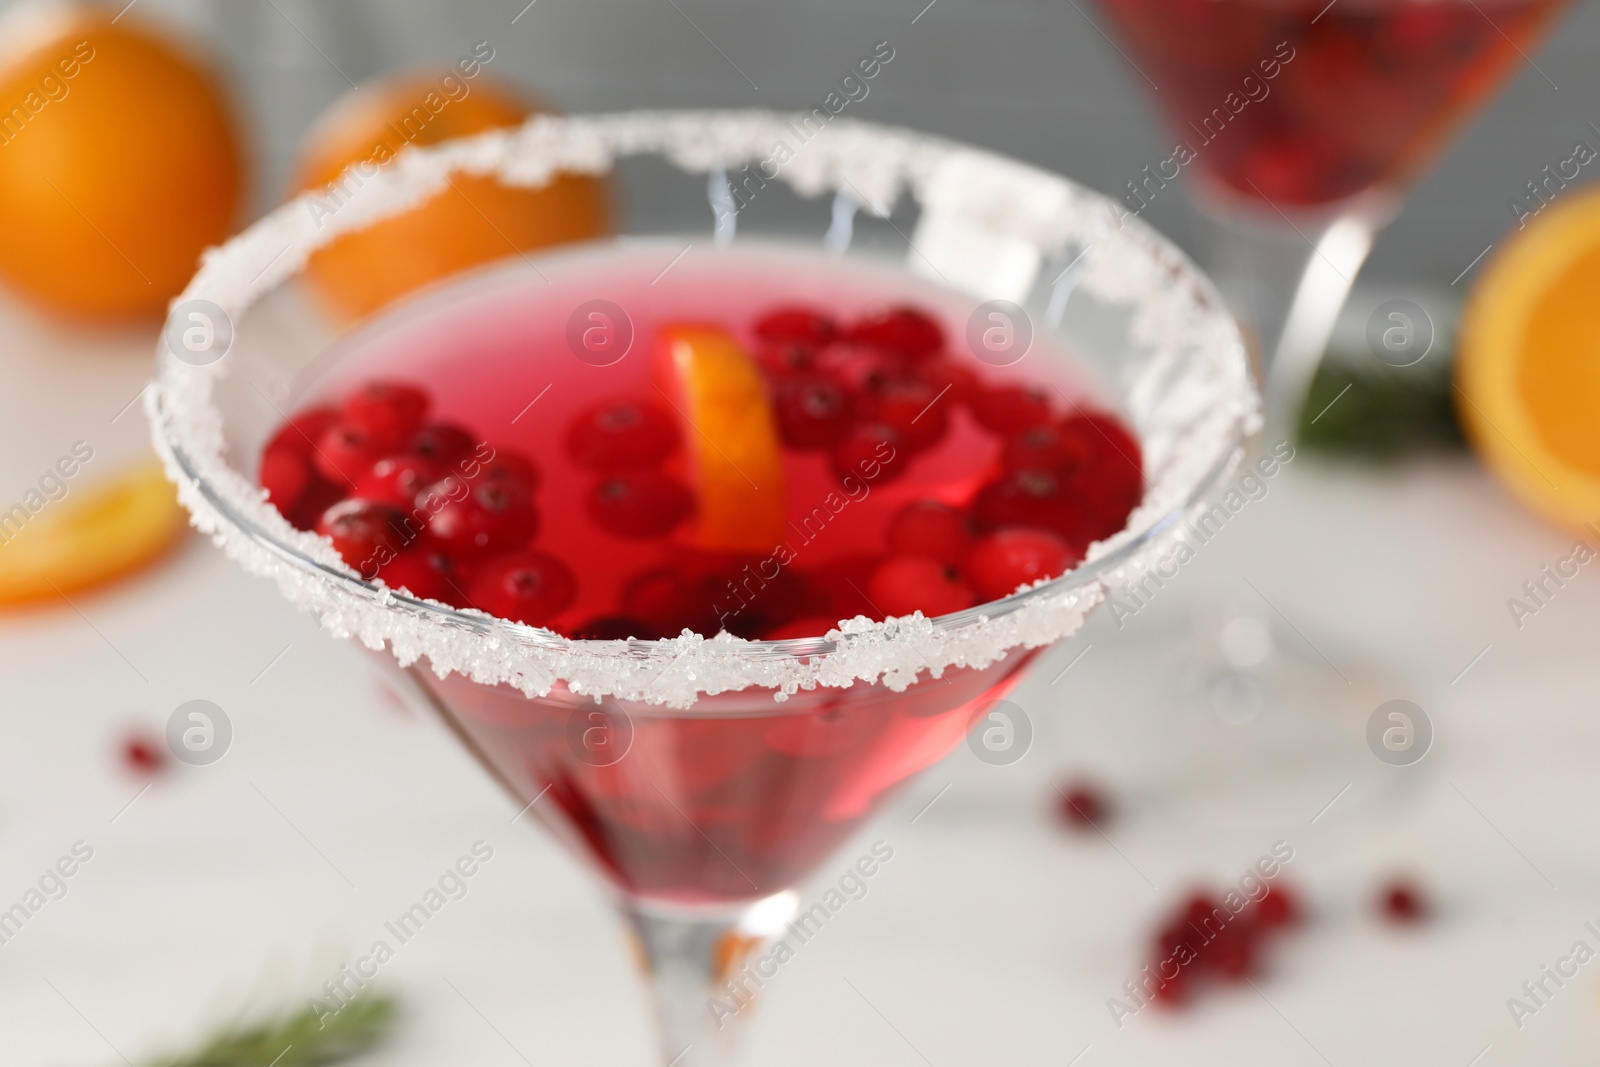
(297, 1039)
(1363, 409)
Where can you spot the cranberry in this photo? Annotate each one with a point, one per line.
(930, 529)
(870, 452)
(506, 467)
(442, 442)
(1110, 476)
(621, 433)
(477, 519)
(397, 480)
(1233, 954)
(796, 325)
(1006, 409)
(806, 626)
(285, 474)
(1047, 448)
(365, 534)
(1401, 901)
(143, 755)
(319, 496)
(1001, 562)
(639, 503)
(301, 432)
(813, 411)
(388, 410)
(1033, 498)
(913, 409)
(346, 451)
(612, 628)
(839, 591)
(905, 584)
(958, 384)
(669, 602)
(859, 369)
(1278, 907)
(1084, 806)
(425, 574)
(527, 587)
(903, 330)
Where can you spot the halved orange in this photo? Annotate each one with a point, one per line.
(1528, 370)
(85, 540)
(731, 436)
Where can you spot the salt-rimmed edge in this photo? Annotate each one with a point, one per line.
(1193, 405)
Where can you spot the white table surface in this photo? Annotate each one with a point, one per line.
(992, 937)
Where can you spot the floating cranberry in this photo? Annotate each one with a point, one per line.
(838, 590)
(669, 602)
(389, 410)
(479, 518)
(902, 330)
(504, 467)
(365, 534)
(1110, 474)
(612, 628)
(1084, 806)
(346, 451)
(442, 442)
(1036, 499)
(872, 453)
(301, 432)
(1402, 901)
(426, 574)
(621, 433)
(1001, 562)
(319, 496)
(806, 626)
(859, 369)
(639, 503)
(813, 410)
(285, 473)
(527, 587)
(913, 409)
(905, 584)
(398, 480)
(931, 529)
(143, 755)
(956, 383)
(1008, 409)
(1046, 447)
(796, 325)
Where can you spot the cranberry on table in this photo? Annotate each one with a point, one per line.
(478, 518)
(398, 480)
(904, 584)
(527, 587)
(1008, 409)
(639, 503)
(621, 433)
(796, 324)
(442, 442)
(390, 410)
(871, 453)
(929, 528)
(999, 563)
(426, 574)
(364, 533)
(1279, 907)
(143, 754)
(904, 330)
(813, 411)
(1402, 901)
(1083, 806)
(346, 451)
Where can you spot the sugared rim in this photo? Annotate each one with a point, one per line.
(1193, 404)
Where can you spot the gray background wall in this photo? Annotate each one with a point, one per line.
(1033, 78)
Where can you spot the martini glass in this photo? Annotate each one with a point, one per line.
(1304, 122)
(703, 779)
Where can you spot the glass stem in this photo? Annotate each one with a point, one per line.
(1287, 285)
(704, 974)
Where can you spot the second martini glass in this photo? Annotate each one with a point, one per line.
(704, 778)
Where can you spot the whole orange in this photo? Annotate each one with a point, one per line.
(476, 220)
(119, 161)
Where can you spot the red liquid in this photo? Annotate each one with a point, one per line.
(740, 796)
(1360, 95)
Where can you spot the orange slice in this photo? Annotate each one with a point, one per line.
(84, 540)
(1528, 371)
(731, 437)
